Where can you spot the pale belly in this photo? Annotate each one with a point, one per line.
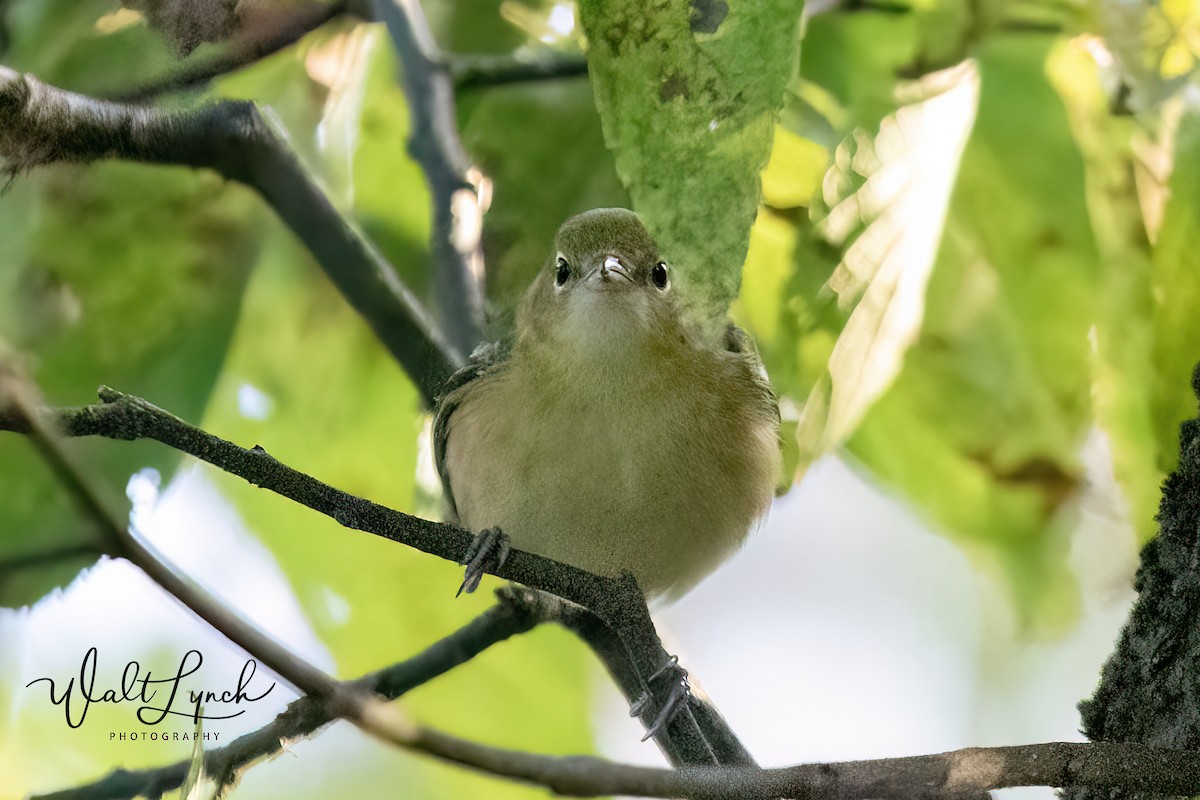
(665, 487)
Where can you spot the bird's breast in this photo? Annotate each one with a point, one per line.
(658, 468)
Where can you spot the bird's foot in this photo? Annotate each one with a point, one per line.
(487, 552)
(676, 678)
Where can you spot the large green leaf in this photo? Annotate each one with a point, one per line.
(688, 94)
(851, 247)
(983, 428)
(92, 46)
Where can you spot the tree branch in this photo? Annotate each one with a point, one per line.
(473, 72)
(616, 600)
(350, 702)
(609, 648)
(434, 144)
(513, 615)
(964, 773)
(954, 775)
(242, 52)
(40, 124)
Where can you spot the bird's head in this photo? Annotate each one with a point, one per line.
(604, 286)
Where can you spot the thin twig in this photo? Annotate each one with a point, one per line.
(241, 53)
(473, 72)
(456, 239)
(304, 717)
(40, 124)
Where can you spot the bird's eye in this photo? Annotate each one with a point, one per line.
(563, 272)
(659, 275)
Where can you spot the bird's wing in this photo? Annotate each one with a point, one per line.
(484, 361)
(737, 341)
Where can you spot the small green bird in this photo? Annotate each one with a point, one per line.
(607, 433)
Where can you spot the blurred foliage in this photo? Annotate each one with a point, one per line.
(153, 313)
(973, 250)
(958, 271)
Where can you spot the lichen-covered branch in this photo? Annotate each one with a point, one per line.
(1149, 690)
(435, 145)
(40, 124)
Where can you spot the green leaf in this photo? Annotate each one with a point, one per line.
(196, 784)
(982, 430)
(857, 58)
(688, 94)
(856, 276)
(92, 47)
(888, 225)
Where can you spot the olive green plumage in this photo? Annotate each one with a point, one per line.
(606, 433)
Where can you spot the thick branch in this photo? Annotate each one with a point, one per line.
(434, 143)
(1149, 691)
(617, 601)
(40, 124)
(958, 774)
(306, 716)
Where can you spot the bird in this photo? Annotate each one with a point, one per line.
(608, 431)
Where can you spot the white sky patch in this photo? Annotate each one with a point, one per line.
(253, 403)
(142, 490)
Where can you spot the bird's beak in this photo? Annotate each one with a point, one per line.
(612, 268)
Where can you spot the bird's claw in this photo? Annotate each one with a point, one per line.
(676, 701)
(489, 549)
